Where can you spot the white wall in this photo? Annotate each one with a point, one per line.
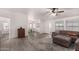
(46, 28)
(18, 20)
(42, 27)
(21, 20)
(45, 24)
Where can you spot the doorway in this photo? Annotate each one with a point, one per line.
(4, 27)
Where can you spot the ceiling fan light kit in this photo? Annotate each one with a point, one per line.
(54, 14)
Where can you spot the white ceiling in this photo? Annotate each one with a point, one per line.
(43, 13)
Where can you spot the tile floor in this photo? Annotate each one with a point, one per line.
(37, 42)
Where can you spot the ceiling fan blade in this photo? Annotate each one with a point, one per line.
(60, 11)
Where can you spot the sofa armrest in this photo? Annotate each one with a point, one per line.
(54, 34)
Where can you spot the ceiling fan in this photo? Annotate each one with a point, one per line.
(55, 11)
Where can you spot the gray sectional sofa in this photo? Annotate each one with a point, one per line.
(66, 38)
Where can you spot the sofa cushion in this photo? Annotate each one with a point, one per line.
(72, 34)
(62, 40)
(63, 37)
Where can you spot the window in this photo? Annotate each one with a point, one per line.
(72, 25)
(59, 25)
(5, 26)
(69, 25)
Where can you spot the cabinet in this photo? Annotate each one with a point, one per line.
(21, 32)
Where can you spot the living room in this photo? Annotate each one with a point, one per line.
(41, 27)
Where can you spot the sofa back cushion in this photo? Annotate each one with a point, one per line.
(70, 33)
